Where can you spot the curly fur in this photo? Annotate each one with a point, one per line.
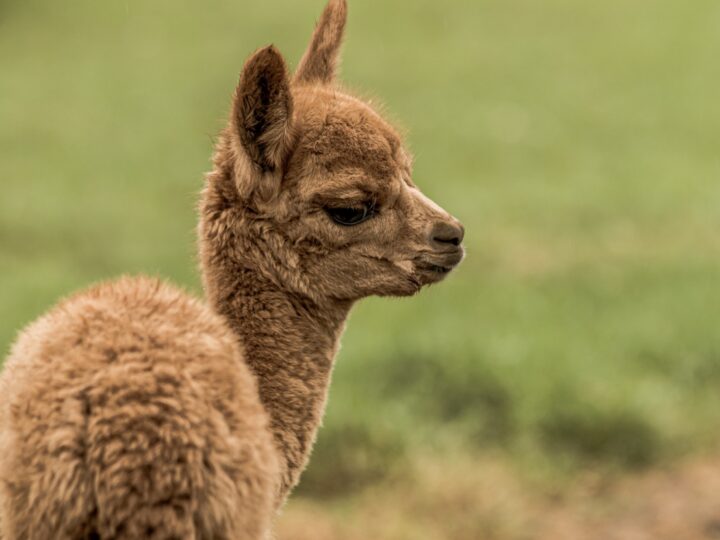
(126, 410)
(132, 410)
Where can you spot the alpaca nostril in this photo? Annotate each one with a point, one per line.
(448, 233)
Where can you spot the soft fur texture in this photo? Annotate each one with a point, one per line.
(128, 412)
(132, 410)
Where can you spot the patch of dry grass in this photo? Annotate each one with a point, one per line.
(458, 499)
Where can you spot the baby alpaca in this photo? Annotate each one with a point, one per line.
(132, 410)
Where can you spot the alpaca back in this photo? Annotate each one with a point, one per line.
(128, 412)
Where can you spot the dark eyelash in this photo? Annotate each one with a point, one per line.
(349, 216)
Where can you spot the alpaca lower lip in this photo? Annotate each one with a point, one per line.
(435, 268)
(441, 263)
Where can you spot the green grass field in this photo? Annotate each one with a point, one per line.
(578, 142)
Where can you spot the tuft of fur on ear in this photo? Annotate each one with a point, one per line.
(319, 62)
(262, 113)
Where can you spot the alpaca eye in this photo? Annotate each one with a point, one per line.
(351, 216)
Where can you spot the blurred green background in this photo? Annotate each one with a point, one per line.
(578, 142)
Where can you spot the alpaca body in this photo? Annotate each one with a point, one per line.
(134, 411)
(128, 412)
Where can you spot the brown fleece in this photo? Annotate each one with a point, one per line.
(132, 410)
(128, 412)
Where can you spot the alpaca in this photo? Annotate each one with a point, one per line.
(132, 410)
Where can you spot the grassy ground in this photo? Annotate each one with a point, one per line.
(577, 141)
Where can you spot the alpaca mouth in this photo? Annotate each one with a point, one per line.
(442, 262)
(435, 268)
(438, 267)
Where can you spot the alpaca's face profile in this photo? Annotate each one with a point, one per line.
(357, 222)
(326, 182)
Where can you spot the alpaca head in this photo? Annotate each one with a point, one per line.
(313, 188)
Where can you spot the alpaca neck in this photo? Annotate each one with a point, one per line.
(290, 345)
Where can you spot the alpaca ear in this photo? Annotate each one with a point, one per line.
(319, 62)
(262, 112)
